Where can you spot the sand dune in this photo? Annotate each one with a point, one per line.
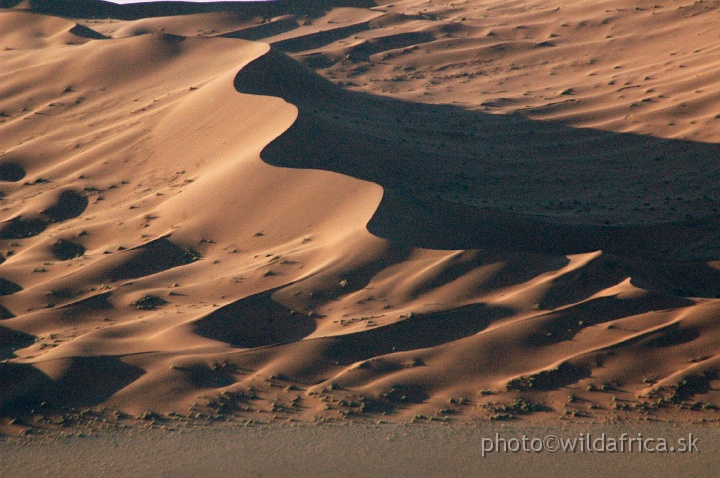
(474, 210)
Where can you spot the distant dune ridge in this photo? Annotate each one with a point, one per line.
(473, 210)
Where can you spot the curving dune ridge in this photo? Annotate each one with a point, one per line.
(194, 223)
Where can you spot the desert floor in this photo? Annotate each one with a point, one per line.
(348, 450)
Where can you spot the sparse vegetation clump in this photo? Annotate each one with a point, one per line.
(149, 302)
(66, 250)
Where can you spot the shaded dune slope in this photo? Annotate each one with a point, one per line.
(101, 9)
(215, 227)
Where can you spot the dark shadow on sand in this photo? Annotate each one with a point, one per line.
(436, 161)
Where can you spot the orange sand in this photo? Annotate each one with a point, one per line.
(476, 209)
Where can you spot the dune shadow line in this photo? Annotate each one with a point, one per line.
(423, 154)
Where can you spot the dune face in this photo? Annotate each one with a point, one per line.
(502, 210)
